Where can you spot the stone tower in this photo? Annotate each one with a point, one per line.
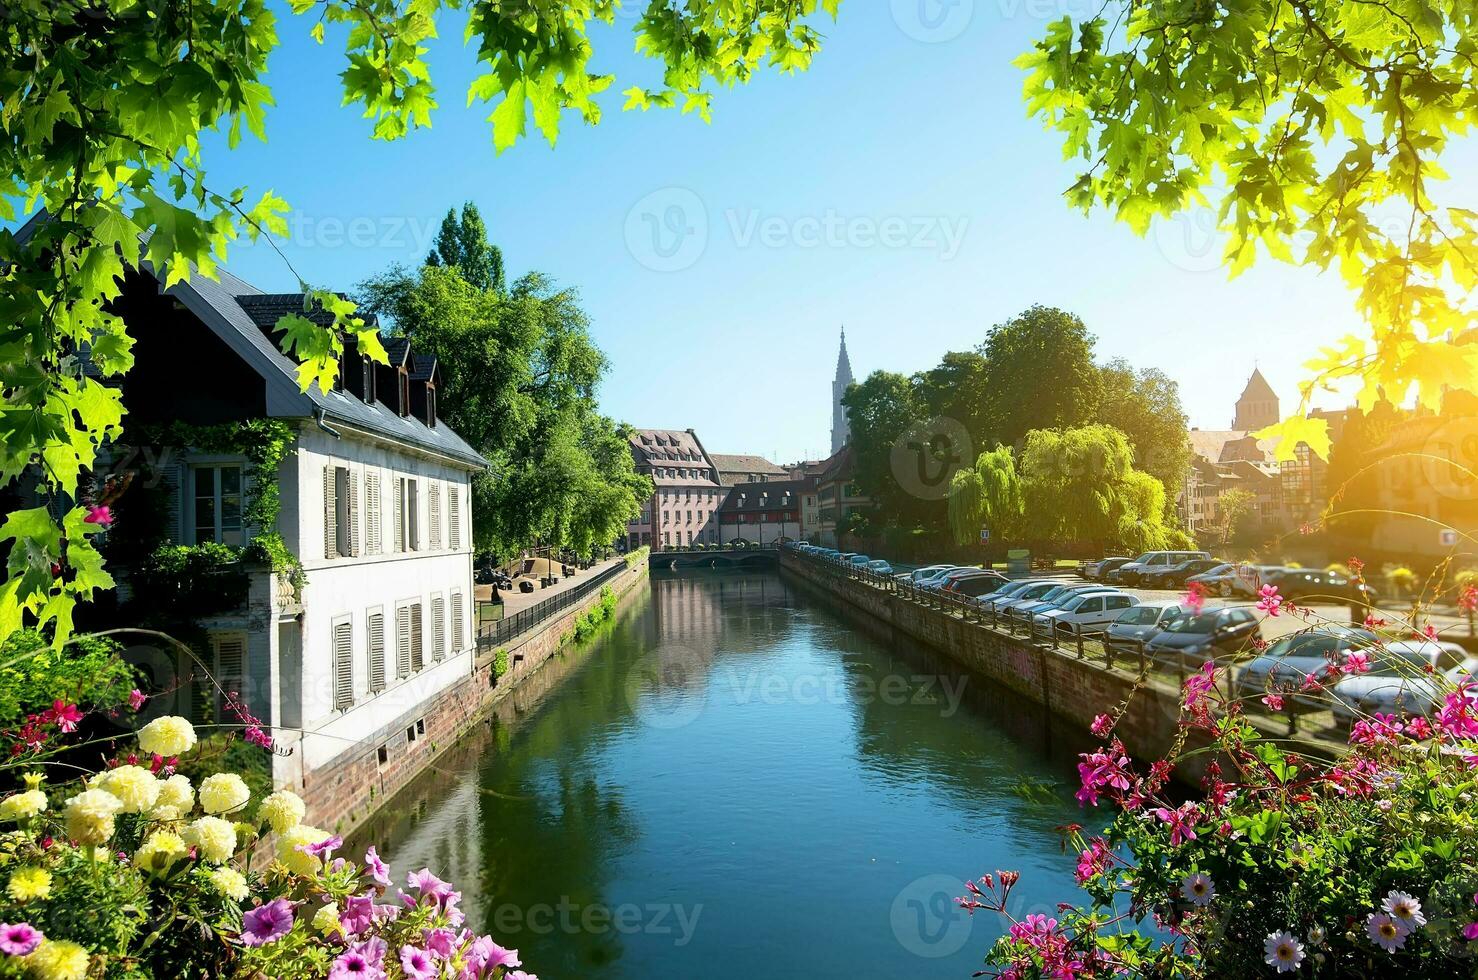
(1258, 406)
(840, 431)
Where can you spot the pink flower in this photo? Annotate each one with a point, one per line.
(355, 965)
(99, 515)
(1199, 684)
(1418, 729)
(19, 939)
(1430, 632)
(441, 942)
(1194, 598)
(1182, 822)
(1102, 770)
(323, 848)
(430, 886)
(267, 923)
(377, 869)
(484, 954)
(136, 699)
(1458, 716)
(1274, 701)
(1468, 601)
(1374, 622)
(417, 963)
(1269, 600)
(65, 715)
(1101, 726)
(1358, 662)
(1093, 860)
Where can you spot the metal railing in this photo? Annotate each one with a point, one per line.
(497, 633)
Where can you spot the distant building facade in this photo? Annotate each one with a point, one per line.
(762, 513)
(1258, 406)
(683, 509)
(734, 470)
(837, 499)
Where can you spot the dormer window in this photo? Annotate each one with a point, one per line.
(430, 407)
(404, 379)
(367, 380)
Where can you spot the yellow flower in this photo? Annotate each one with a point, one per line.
(29, 883)
(228, 882)
(214, 838)
(168, 736)
(22, 806)
(326, 919)
(293, 859)
(89, 816)
(58, 959)
(177, 792)
(164, 813)
(223, 793)
(34, 779)
(282, 810)
(136, 787)
(160, 851)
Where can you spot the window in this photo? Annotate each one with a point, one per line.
(404, 407)
(375, 647)
(456, 640)
(433, 510)
(430, 407)
(367, 380)
(454, 517)
(403, 642)
(227, 676)
(373, 542)
(407, 532)
(438, 628)
(340, 512)
(343, 654)
(218, 505)
(418, 659)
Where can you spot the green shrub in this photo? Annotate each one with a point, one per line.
(87, 672)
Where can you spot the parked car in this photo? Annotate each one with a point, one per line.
(979, 582)
(879, 566)
(1031, 591)
(1130, 572)
(1094, 571)
(1316, 585)
(1290, 659)
(1203, 634)
(929, 571)
(1229, 579)
(1402, 680)
(858, 560)
(1176, 576)
(1053, 599)
(941, 581)
(1086, 611)
(1140, 623)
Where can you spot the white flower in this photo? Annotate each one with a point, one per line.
(1283, 952)
(1385, 932)
(1405, 909)
(22, 806)
(1199, 889)
(1316, 935)
(136, 787)
(228, 882)
(223, 792)
(213, 837)
(177, 792)
(283, 810)
(168, 736)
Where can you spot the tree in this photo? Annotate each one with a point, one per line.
(986, 495)
(1145, 405)
(105, 103)
(1080, 486)
(1038, 374)
(1308, 126)
(463, 243)
(881, 411)
(1234, 506)
(955, 389)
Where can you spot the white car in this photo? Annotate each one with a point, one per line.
(1086, 610)
(1402, 680)
(1029, 590)
(918, 575)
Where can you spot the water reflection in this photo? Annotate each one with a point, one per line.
(736, 781)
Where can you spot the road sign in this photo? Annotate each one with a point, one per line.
(985, 535)
(1449, 538)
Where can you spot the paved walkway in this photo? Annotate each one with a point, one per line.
(515, 600)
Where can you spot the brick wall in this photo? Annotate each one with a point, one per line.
(343, 795)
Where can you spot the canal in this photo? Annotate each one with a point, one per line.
(735, 781)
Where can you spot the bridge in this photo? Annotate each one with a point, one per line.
(727, 558)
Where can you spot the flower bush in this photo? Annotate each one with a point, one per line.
(1293, 858)
(137, 872)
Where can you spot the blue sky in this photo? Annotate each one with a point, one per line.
(896, 188)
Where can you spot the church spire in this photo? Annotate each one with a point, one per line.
(840, 430)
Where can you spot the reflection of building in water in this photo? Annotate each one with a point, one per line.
(698, 610)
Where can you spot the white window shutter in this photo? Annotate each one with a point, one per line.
(418, 657)
(376, 648)
(403, 641)
(454, 517)
(438, 629)
(413, 515)
(330, 514)
(399, 514)
(173, 476)
(372, 544)
(343, 665)
(434, 515)
(354, 549)
(230, 670)
(456, 622)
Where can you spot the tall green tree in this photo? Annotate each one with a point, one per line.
(462, 242)
(1144, 404)
(1038, 374)
(881, 410)
(1081, 487)
(105, 103)
(987, 495)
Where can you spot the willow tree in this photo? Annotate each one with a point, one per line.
(103, 104)
(1080, 485)
(987, 494)
(1314, 128)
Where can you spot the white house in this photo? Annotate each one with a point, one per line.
(375, 504)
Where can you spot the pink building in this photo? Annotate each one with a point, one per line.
(684, 508)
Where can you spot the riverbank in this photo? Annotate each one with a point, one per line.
(343, 796)
(1071, 682)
